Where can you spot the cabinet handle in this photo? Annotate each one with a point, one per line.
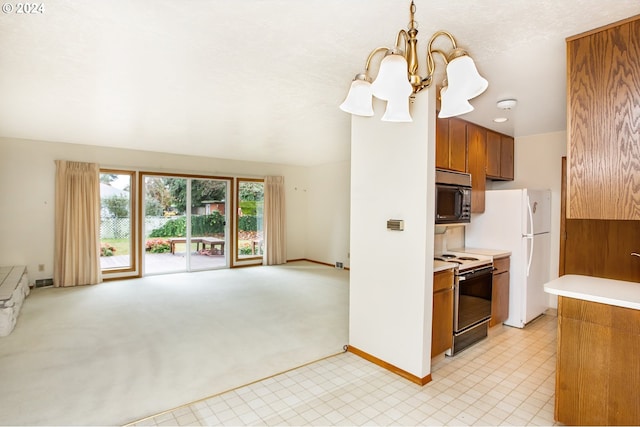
(635, 254)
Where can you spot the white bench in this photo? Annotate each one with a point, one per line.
(14, 288)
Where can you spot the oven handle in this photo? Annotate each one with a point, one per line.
(475, 273)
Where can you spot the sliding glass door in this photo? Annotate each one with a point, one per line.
(185, 223)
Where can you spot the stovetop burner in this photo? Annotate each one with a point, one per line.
(464, 260)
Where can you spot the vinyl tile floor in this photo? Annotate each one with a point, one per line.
(505, 379)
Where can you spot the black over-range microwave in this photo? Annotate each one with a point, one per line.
(453, 197)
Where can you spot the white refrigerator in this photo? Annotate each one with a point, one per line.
(518, 221)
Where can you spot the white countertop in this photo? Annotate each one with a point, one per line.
(443, 265)
(596, 289)
(494, 253)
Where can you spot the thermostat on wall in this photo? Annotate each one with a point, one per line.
(395, 224)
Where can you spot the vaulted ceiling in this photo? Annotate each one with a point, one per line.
(261, 80)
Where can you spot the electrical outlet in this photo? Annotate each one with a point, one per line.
(339, 264)
(40, 267)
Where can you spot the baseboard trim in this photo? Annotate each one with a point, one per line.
(315, 262)
(390, 367)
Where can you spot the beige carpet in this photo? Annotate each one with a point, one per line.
(119, 351)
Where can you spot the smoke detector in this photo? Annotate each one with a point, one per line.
(507, 104)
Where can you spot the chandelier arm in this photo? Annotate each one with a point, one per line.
(372, 54)
(431, 62)
(402, 34)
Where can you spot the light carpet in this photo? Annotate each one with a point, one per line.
(113, 353)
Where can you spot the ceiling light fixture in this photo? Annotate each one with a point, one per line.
(507, 104)
(500, 119)
(397, 81)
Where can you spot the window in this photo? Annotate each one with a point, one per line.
(117, 246)
(250, 210)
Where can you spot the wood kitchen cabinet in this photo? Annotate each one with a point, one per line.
(451, 144)
(476, 159)
(597, 369)
(466, 147)
(499, 160)
(442, 320)
(603, 122)
(500, 291)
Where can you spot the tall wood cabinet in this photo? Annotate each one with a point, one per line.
(476, 160)
(603, 122)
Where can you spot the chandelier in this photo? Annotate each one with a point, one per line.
(398, 80)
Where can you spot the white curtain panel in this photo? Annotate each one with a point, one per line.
(274, 221)
(77, 224)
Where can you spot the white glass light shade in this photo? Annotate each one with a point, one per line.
(397, 110)
(452, 105)
(392, 79)
(463, 78)
(358, 100)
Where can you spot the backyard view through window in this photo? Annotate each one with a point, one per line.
(184, 224)
(154, 223)
(115, 220)
(250, 218)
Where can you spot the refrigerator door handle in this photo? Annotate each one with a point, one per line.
(530, 235)
(530, 211)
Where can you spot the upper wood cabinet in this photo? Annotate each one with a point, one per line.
(476, 159)
(451, 144)
(466, 147)
(603, 123)
(499, 156)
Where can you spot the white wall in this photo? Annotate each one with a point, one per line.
(538, 164)
(27, 173)
(391, 279)
(328, 213)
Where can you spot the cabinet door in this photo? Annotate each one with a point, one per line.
(458, 145)
(506, 157)
(603, 123)
(500, 298)
(476, 158)
(442, 143)
(442, 320)
(442, 329)
(493, 154)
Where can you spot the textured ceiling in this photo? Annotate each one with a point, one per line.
(262, 79)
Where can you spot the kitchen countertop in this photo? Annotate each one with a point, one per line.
(596, 289)
(494, 253)
(443, 265)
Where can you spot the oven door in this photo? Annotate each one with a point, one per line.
(453, 204)
(472, 304)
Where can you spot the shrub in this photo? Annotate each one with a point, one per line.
(106, 249)
(158, 246)
(201, 225)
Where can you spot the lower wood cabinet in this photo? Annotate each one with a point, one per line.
(500, 292)
(597, 369)
(442, 321)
